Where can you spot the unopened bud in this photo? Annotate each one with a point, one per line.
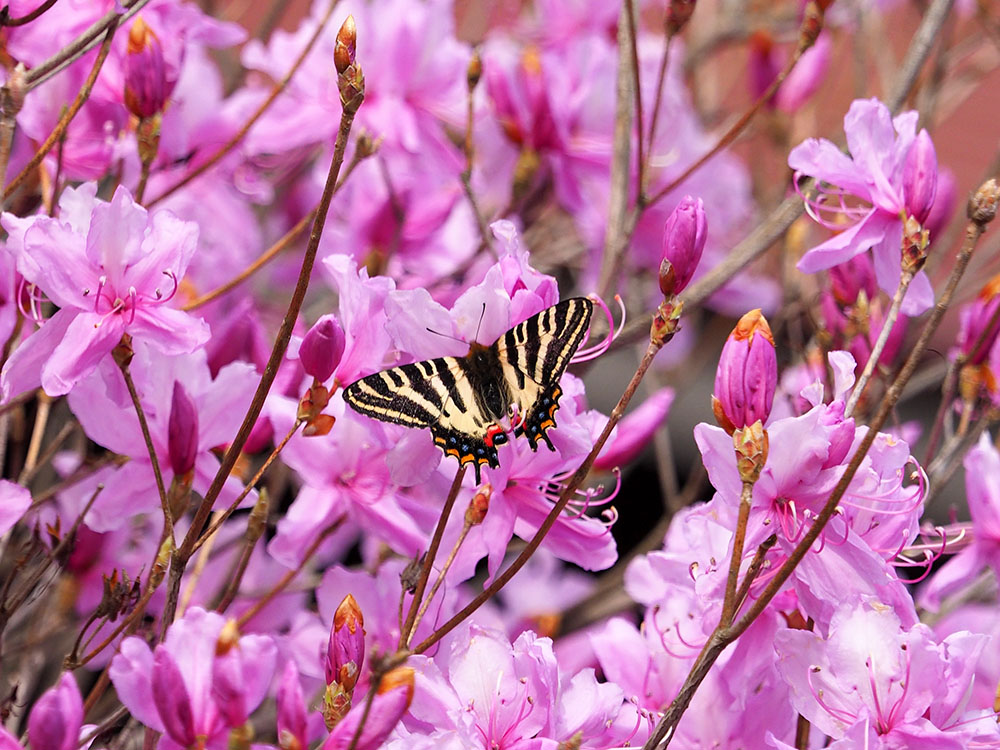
(182, 431)
(257, 524)
(751, 446)
(346, 48)
(747, 374)
(148, 84)
(914, 248)
(920, 177)
(475, 70)
(322, 347)
(684, 235)
(478, 506)
(983, 203)
(345, 653)
(678, 14)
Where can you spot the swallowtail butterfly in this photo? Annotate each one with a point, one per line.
(464, 399)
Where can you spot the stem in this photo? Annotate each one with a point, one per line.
(729, 602)
(224, 515)
(240, 134)
(755, 565)
(661, 75)
(60, 129)
(634, 70)
(466, 528)
(723, 637)
(616, 235)
(168, 521)
(410, 624)
(571, 486)
(27, 17)
(286, 579)
(890, 321)
(37, 433)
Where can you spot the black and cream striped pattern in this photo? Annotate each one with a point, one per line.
(464, 399)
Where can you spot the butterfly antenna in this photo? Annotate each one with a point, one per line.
(444, 335)
(480, 324)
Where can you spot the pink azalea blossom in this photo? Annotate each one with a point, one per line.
(185, 687)
(874, 173)
(873, 678)
(14, 503)
(57, 718)
(112, 269)
(982, 489)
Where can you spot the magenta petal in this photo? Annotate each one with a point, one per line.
(132, 673)
(89, 338)
(168, 246)
(114, 241)
(14, 503)
(636, 431)
(169, 330)
(53, 257)
(956, 573)
(982, 487)
(23, 370)
(56, 718)
(821, 159)
(171, 697)
(845, 245)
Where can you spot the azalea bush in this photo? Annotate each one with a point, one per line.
(761, 508)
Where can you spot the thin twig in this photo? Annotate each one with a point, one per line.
(59, 130)
(27, 17)
(410, 624)
(240, 134)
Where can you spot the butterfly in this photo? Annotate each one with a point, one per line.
(463, 400)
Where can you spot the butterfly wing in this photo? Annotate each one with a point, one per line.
(534, 354)
(435, 393)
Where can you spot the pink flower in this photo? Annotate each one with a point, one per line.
(982, 489)
(111, 268)
(57, 717)
(198, 684)
(874, 172)
(873, 679)
(291, 714)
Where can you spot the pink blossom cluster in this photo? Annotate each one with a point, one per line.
(264, 276)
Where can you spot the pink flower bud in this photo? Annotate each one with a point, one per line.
(850, 278)
(345, 653)
(920, 173)
(806, 76)
(182, 431)
(56, 719)
(747, 374)
(292, 719)
(976, 321)
(170, 696)
(322, 347)
(684, 236)
(148, 83)
(392, 701)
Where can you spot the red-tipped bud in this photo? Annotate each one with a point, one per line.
(345, 50)
(56, 719)
(322, 347)
(479, 506)
(345, 653)
(182, 431)
(920, 177)
(683, 242)
(977, 323)
(747, 374)
(678, 14)
(148, 83)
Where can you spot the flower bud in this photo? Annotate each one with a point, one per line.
(920, 176)
(345, 653)
(976, 322)
(147, 81)
(678, 14)
(850, 278)
(747, 374)
(56, 718)
(182, 431)
(479, 506)
(346, 48)
(684, 236)
(982, 207)
(322, 347)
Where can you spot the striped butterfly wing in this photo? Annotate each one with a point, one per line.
(435, 393)
(534, 354)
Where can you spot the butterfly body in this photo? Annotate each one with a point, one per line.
(465, 401)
